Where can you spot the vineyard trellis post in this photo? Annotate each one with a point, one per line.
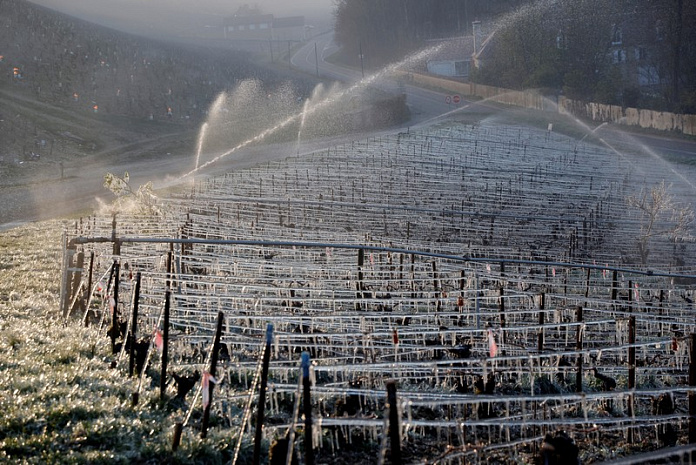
(68, 252)
(134, 325)
(165, 344)
(307, 409)
(176, 438)
(213, 367)
(631, 370)
(692, 394)
(540, 335)
(360, 285)
(501, 306)
(394, 426)
(578, 347)
(90, 278)
(262, 395)
(114, 309)
(116, 250)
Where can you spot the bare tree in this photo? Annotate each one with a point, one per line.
(660, 217)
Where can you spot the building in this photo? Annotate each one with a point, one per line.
(265, 27)
(453, 57)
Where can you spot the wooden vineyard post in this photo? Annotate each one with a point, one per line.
(170, 256)
(631, 370)
(661, 312)
(213, 366)
(262, 395)
(436, 288)
(540, 335)
(307, 409)
(394, 427)
(401, 269)
(76, 280)
(165, 344)
(578, 347)
(117, 244)
(360, 286)
(176, 439)
(69, 251)
(501, 305)
(692, 395)
(631, 352)
(114, 311)
(134, 326)
(90, 278)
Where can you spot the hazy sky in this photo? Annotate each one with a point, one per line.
(178, 16)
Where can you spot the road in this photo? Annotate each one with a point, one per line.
(427, 105)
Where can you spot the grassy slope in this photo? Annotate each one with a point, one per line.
(59, 400)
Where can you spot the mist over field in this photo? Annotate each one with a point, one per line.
(167, 18)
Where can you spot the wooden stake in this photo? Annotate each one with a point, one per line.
(307, 409)
(578, 347)
(262, 396)
(394, 427)
(631, 371)
(165, 344)
(360, 287)
(176, 439)
(134, 326)
(692, 395)
(540, 335)
(114, 313)
(501, 305)
(213, 366)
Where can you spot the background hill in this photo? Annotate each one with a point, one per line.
(70, 88)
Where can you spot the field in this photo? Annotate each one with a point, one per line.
(485, 268)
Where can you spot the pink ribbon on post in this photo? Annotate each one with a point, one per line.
(492, 346)
(159, 342)
(207, 379)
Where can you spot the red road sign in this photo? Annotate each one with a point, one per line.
(456, 99)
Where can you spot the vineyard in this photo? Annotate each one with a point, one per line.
(489, 277)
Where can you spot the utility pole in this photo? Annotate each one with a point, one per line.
(316, 58)
(362, 67)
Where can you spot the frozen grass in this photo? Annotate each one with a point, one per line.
(59, 401)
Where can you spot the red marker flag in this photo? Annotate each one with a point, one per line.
(492, 346)
(207, 379)
(636, 292)
(159, 342)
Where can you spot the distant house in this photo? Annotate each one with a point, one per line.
(637, 49)
(265, 27)
(453, 58)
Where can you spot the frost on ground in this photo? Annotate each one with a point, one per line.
(483, 191)
(59, 401)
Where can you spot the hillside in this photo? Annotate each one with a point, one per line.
(70, 88)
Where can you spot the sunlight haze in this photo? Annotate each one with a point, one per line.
(182, 17)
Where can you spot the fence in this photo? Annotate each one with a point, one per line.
(648, 119)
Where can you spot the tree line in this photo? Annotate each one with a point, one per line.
(627, 52)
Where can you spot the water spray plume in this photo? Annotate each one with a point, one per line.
(201, 138)
(309, 110)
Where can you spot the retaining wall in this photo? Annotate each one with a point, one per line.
(659, 120)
